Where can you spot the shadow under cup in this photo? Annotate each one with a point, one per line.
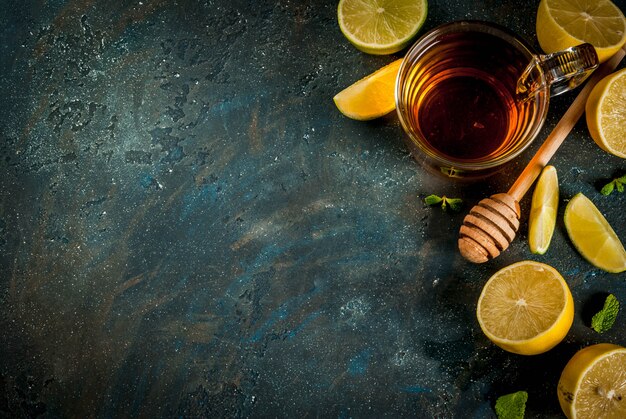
(456, 99)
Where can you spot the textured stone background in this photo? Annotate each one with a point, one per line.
(188, 226)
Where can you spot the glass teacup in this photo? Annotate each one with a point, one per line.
(473, 95)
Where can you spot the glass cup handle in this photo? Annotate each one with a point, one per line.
(562, 71)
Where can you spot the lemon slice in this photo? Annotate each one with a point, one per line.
(543, 209)
(381, 26)
(526, 308)
(606, 113)
(593, 383)
(565, 23)
(593, 236)
(372, 96)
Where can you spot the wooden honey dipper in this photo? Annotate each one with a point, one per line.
(491, 225)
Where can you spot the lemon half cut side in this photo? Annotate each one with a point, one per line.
(526, 308)
(565, 23)
(381, 26)
(593, 383)
(543, 209)
(605, 112)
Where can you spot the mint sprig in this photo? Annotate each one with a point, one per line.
(454, 204)
(511, 406)
(604, 319)
(617, 183)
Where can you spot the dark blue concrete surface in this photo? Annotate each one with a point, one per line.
(189, 227)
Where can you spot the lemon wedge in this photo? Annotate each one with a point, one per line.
(592, 235)
(543, 210)
(372, 96)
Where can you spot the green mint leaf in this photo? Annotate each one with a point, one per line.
(432, 200)
(608, 188)
(455, 204)
(603, 320)
(511, 406)
(618, 183)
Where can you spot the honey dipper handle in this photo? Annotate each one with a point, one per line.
(564, 126)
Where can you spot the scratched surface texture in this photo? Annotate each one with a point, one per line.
(189, 228)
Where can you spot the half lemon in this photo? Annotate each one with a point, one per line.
(605, 112)
(562, 24)
(526, 308)
(381, 26)
(593, 383)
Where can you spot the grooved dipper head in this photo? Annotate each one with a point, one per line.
(489, 228)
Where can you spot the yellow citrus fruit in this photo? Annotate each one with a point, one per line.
(562, 24)
(606, 113)
(526, 308)
(593, 383)
(593, 236)
(381, 26)
(543, 209)
(372, 96)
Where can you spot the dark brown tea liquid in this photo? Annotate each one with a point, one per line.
(462, 100)
(465, 115)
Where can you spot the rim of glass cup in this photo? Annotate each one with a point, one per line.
(427, 39)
